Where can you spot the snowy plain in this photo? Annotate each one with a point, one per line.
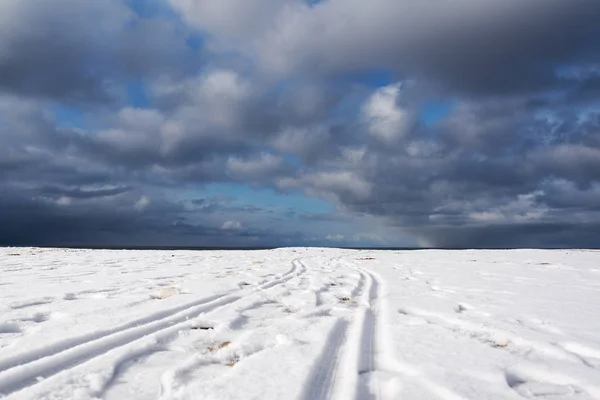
(299, 323)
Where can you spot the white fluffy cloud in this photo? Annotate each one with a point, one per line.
(231, 225)
(142, 203)
(332, 184)
(384, 117)
(231, 18)
(264, 166)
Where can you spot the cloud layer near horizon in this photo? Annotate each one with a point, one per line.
(286, 122)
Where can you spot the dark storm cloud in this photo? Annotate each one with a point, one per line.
(496, 177)
(79, 193)
(27, 222)
(533, 235)
(511, 49)
(64, 186)
(477, 47)
(77, 51)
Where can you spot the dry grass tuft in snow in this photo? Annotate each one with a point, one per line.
(165, 292)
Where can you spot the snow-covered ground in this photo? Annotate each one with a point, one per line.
(299, 324)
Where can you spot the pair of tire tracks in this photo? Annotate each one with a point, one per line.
(24, 371)
(371, 366)
(358, 360)
(345, 368)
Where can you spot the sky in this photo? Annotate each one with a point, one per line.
(392, 123)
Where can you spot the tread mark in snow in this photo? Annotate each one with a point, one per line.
(321, 381)
(381, 370)
(24, 370)
(532, 383)
(368, 363)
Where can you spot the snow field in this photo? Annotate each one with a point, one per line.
(299, 324)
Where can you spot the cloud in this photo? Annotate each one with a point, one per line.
(336, 238)
(230, 18)
(337, 184)
(74, 51)
(308, 143)
(483, 46)
(385, 119)
(480, 47)
(142, 203)
(256, 169)
(231, 225)
(83, 193)
(238, 94)
(63, 201)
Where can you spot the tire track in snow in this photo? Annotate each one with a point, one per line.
(358, 361)
(174, 378)
(322, 379)
(172, 369)
(354, 379)
(66, 344)
(25, 370)
(333, 373)
(367, 361)
(380, 373)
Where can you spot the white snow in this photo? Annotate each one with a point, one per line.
(299, 324)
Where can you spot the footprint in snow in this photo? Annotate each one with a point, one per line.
(69, 296)
(37, 318)
(544, 385)
(9, 327)
(459, 309)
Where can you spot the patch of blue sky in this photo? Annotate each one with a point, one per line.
(578, 71)
(160, 9)
(350, 106)
(432, 112)
(243, 194)
(292, 159)
(375, 77)
(137, 94)
(195, 41)
(67, 116)
(151, 8)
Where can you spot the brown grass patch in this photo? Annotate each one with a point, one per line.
(232, 362)
(347, 300)
(218, 346)
(164, 292)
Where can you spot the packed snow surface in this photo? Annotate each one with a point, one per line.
(299, 324)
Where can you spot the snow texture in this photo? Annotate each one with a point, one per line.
(306, 324)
